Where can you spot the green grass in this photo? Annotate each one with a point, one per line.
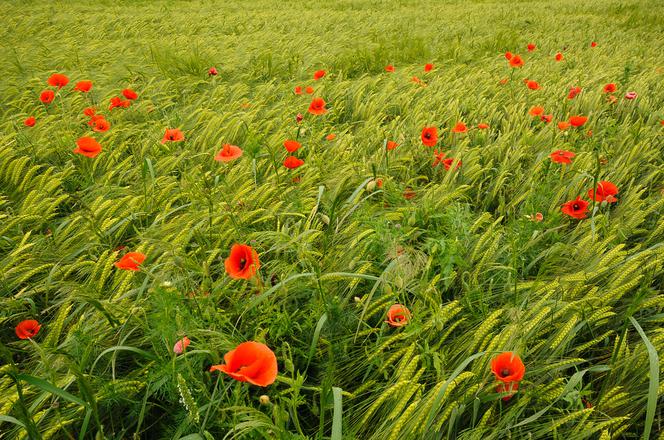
(580, 301)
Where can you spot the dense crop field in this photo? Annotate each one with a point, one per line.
(467, 244)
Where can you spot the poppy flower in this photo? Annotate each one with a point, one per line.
(578, 121)
(563, 125)
(251, 362)
(610, 88)
(508, 368)
(391, 145)
(212, 71)
(130, 261)
(27, 329)
(631, 95)
(330, 137)
(116, 101)
(508, 55)
(379, 182)
(449, 161)
(291, 145)
(297, 90)
(531, 47)
(292, 162)
(30, 121)
(93, 119)
(408, 194)
(101, 125)
(562, 156)
(47, 96)
(58, 80)
(482, 126)
(573, 92)
(606, 191)
(398, 315)
(129, 94)
(536, 111)
(87, 147)
(309, 90)
(504, 81)
(242, 263)
(89, 111)
(83, 86)
(299, 118)
(539, 217)
(459, 127)
(173, 135)
(181, 345)
(317, 107)
(428, 67)
(429, 136)
(438, 157)
(318, 74)
(228, 153)
(532, 85)
(546, 118)
(516, 61)
(389, 68)
(593, 44)
(576, 208)
(559, 56)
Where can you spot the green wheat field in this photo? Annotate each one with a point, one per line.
(467, 244)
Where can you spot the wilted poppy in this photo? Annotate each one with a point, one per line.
(559, 56)
(29, 121)
(459, 127)
(391, 145)
(482, 126)
(297, 90)
(605, 192)
(610, 88)
(212, 71)
(129, 94)
(318, 74)
(83, 86)
(181, 345)
(516, 61)
(578, 121)
(576, 208)
(172, 135)
(292, 162)
(532, 85)
(564, 125)
(630, 95)
(228, 153)
(562, 156)
(130, 261)
(251, 362)
(428, 67)
(536, 111)
(101, 125)
(531, 47)
(242, 263)
(508, 368)
(47, 96)
(291, 145)
(27, 329)
(87, 147)
(573, 92)
(317, 107)
(398, 315)
(58, 80)
(89, 111)
(389, 68)
(429, 136)
(330, 137)
(309, 90)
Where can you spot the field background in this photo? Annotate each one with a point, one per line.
(479, 277)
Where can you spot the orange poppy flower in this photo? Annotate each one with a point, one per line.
(173, 135)
(503, 81)
(212, 71)
(539, 217)
(129, 94)
(546, 118)
(318, 74)
(87, 147)
(181, 345)
(508, 55)
(251, 362)
(577, 209)
(291, 145)
(242, 263)
(30, 121)
(27, 329)
(516, 61)
(610, 88)
(398, 315)
(379, 182)
(562, 156)
(47, 96)
(83, 86)
(593, 44)
(429, 136)
(428, 67)
(408, 194)
(317, 107)
(297, 90)
(459, 127)
(606, 191)
(482, 126)
(130, 261)
(58, 80)
(573, 92)
(228, 153)
(532, 85)
(536, 111)
(578, 121)
(116, 101)
(389, 68)
(438, 157)
(559, 56)
(90, 111)
(563, 125)
(531, 47)
(508, 368)
(292, 162)
(101, 125)
(330, 137)
(309, 90)
(391, 145)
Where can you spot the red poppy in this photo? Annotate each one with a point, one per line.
(503, 81)
(89, 111)
(536, 111)
(559, 56)
(251, 362)
(291, 145)
(27, 329)
(546, 118)
(438, 157)
(564, 125)
(508, 55)
(87, 147)
(212, 71)
(116, 101)
(578, 121)
(330, 137)
(576, 208)
(482, 126)
(516, 61)
(449, 161)
(408, 194)
(130, 261)
(391, 145)
(610, 88)
(428, 67)
(83, 86)
(309, 90)
(398, 315)
(47, 96)
(228, 153)
(181, 345)
(389, 68)
(562, 156)
(317, 107)
(593, 44)
(539, 217)
(299, 117)
(606, 191)
(173, 135)
(129, 94)
(532, 85)
(101, 125)
(297, 90)
(429, 136)
(292, 162)
(318, 74)
(58, 80)
(573, 92)
(459, 127)
(379, 182)
(531, 47)
(242, 263)
(508, 368)
(30, 121)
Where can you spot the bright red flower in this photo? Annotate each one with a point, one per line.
(83, 86)
(610, 88)
(389, 68)
(317, 107)
(606, 191)
(251, 362)
(539, 217)
(101, 125)
(438, 157)
(429, 136)
(291, 145)
(503, 81)
(30, 121)
(242, 263)
(87, 147)
(563, 125)
(212, 71)
(573, 92)
(309, 90)
(531, 47)
(58, 80)
(428, 67)
(576, 208)
(578, 121)
(562, 156)
(391, 145)
(398, 315)
(292, 162)
(536, 111)
(129, 94)
(559, 56)
(532, 85)
(516, 61)
(319, 74)
(482, 126)
(459, 127)
(173, 135)
(508, 368)
(449, 161)
(228, 153)
(330, 137)
(508, 55)
(297, 90)
(47, 96)
(116, 101)
(90, 111)
(546, 118)
(27, 329)
(593, 44)
(130, 261)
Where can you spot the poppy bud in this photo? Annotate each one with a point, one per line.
(299, 118)
(264, 399)
(371, 185)
(357, 299)
(212, 71)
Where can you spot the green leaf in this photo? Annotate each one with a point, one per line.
(337, 416)
(651, 408)
(49, 387)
